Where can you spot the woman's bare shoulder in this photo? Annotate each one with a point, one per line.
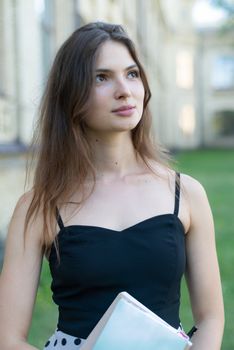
(19, 216)
(193, 188)
(196, 197)
(22, 205)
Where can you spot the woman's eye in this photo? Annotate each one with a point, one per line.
(133, 74)
(100, 77)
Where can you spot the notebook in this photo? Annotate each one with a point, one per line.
(129, 325)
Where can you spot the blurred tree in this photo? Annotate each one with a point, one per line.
(227, 5)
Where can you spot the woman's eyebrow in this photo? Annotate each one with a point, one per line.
(106, 70)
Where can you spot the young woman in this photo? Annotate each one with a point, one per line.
(106, 209)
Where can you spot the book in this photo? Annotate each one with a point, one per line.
(129, 325)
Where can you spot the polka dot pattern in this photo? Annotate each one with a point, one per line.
(62, 341)
(77, 341)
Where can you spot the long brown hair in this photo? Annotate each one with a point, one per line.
(63, 155)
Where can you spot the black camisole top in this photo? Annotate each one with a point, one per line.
(147, 260)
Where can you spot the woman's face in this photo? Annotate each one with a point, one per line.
(117, 95)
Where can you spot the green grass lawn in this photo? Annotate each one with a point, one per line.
(215, 170)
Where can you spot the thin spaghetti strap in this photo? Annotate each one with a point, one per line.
(177, 194)
(59, 219)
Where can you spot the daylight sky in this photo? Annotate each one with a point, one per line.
(206, 15)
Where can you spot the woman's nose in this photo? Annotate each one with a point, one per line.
(122, 89)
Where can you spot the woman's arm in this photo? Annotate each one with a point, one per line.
(19, 278)
(202, 271)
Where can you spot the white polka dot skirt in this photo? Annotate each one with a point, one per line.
(62, 341)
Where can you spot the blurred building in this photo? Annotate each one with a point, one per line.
(191, 72)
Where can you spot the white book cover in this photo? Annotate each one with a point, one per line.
(129, 325)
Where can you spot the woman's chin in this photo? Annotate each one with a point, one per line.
(127, 125)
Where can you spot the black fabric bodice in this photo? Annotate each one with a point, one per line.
(147, 260)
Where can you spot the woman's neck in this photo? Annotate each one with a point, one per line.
(114, 156)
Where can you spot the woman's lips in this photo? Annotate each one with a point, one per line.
(125, 111)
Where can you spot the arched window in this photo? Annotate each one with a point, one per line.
(223, 123)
